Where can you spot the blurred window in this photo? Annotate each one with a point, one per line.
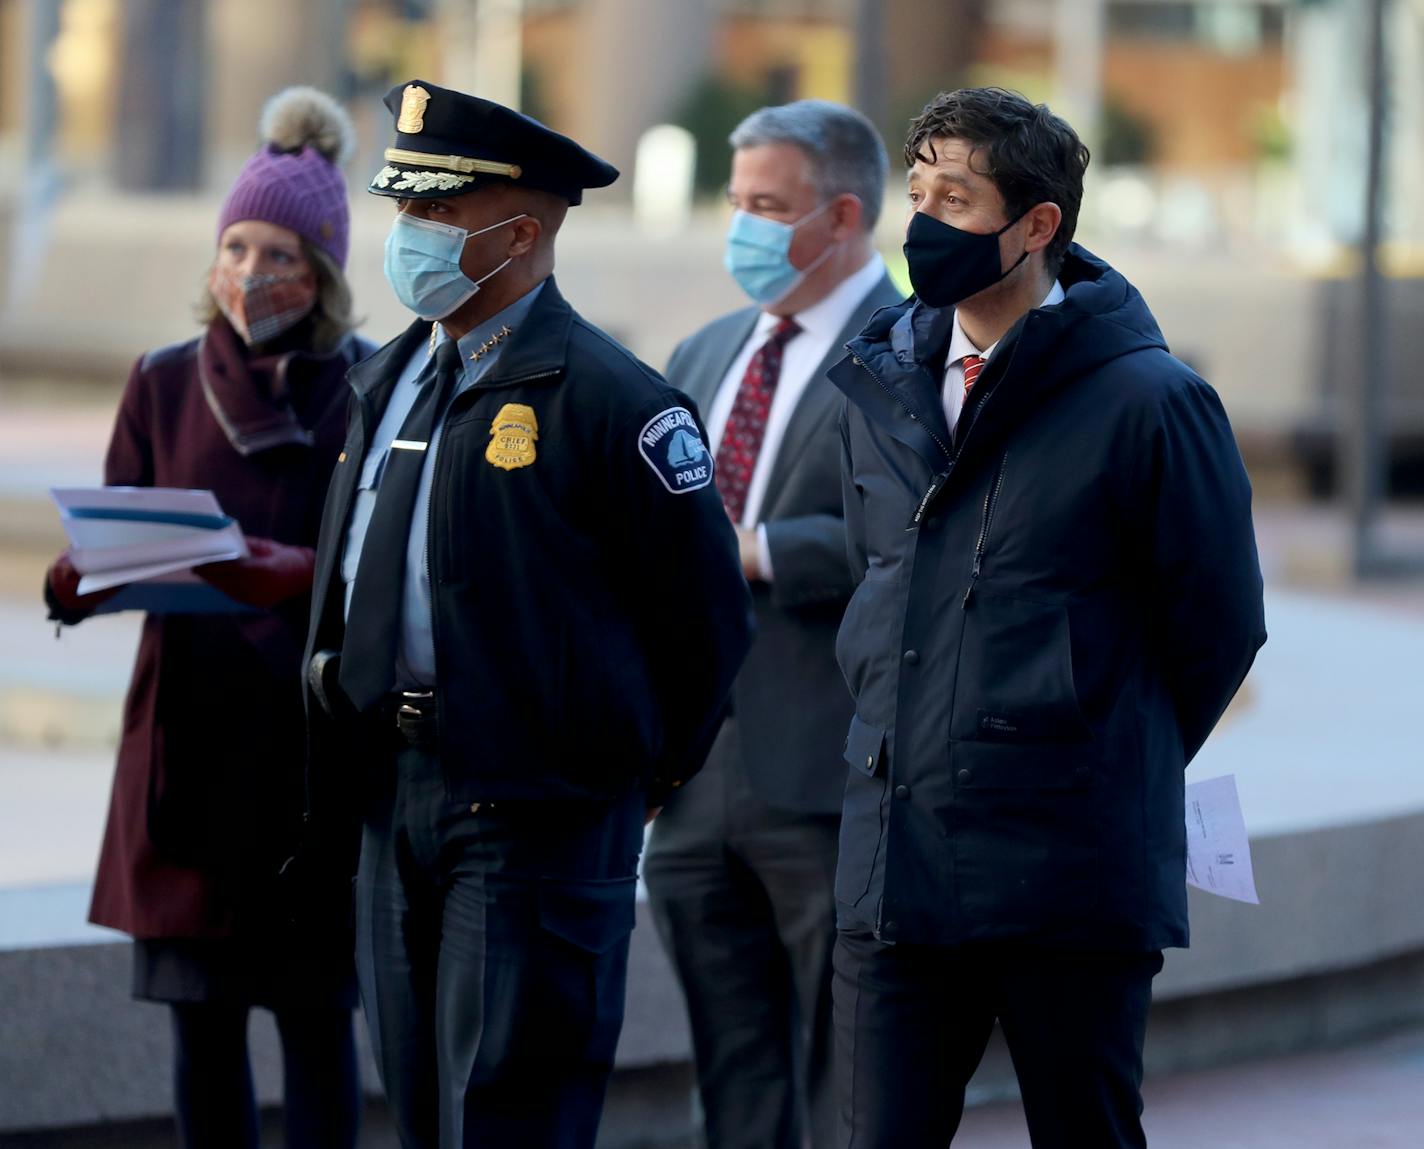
(1233, 27)
(786, 8)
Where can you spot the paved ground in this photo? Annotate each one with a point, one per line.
(1366, 1097)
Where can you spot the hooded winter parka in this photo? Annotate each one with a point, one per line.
(1054, 606)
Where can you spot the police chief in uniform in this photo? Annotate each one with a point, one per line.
(528, 612)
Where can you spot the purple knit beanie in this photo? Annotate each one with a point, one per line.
(295, 180)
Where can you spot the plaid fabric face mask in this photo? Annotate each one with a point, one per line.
(262, 307)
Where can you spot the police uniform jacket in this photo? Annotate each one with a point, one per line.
(207, 796)
(588, 607)
(1055, 605)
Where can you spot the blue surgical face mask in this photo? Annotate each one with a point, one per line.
(758, 255)
(423, 264)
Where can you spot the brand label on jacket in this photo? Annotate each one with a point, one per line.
(512, 437)
(672, 446)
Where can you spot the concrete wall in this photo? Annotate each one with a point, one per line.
(1334, 954)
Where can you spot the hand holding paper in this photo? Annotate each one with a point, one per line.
(272, 573)
(66, 604)
(140, 544)
(126, 534)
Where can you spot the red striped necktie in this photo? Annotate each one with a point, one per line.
(973, 364)
(746, 425)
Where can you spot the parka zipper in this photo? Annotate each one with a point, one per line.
(938, 481)
(991, 500)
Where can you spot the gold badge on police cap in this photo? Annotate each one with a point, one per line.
(412, 113)
(512, 437)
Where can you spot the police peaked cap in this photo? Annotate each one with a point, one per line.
(448, 143)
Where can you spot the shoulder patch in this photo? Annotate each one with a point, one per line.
(672, 446)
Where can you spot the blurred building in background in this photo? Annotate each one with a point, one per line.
(1229, 134)
(1232, 118)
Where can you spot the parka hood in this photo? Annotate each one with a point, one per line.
(1102, 317)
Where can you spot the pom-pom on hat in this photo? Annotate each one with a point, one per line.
(448, 143)
(294, 180)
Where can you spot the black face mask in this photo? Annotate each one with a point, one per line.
(948, 264)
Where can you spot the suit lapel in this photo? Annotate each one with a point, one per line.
(703, 379)
(820, 400)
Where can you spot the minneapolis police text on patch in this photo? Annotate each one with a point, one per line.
(672, 446)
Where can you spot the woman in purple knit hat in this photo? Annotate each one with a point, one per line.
(207, 799)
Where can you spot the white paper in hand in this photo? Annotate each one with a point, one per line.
(1218, 853)
(122, 535)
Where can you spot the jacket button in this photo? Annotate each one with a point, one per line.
(965, 777)
(870, 761)
(912, 657)
(902, 791)
(889, 927)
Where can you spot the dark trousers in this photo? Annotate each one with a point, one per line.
(212, 1077)
(743, 899)
(491, 951)
(912, 1022)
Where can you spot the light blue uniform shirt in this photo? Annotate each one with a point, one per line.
(415, 652)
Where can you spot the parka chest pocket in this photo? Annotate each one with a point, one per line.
(1016, 673)
(863, 815)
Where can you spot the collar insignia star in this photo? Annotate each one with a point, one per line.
(491, 343)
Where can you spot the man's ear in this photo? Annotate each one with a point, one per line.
(526, 234)
(1041, 225)
(846, 212)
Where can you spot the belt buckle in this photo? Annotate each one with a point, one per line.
(411, 700)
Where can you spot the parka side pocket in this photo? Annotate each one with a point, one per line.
(863, 814)
(1016, 673)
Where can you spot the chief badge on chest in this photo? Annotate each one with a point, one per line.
(512, 437)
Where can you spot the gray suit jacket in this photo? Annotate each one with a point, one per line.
(791, 703)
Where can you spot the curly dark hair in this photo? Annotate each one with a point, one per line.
(1031, 155)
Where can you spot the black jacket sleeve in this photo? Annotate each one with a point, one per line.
(854, 505)
(692, 602)
(1206, 597)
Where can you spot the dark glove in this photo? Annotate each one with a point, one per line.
(61, 593)
(271, 574)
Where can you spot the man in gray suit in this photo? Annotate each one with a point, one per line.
(740, 867)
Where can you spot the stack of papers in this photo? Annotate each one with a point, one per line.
(148, 539)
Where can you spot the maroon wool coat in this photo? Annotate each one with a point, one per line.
(208, 789)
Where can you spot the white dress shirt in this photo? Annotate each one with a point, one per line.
(961, 345)
(820, 324)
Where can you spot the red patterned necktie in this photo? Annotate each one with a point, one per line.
(973, 364)
(746, 425)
